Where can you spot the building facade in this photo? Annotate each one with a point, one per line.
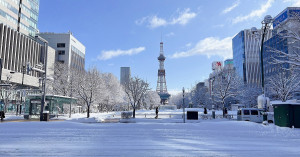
(246, 56)
(17, 50)
(287, 20)
(21, 15)
(125, 75)
(69, 50)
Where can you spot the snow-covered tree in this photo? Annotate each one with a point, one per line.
(135, 90)
(176, 99)
(289, 32)
(198, 96)
(248, 95)
(89, 86)
(283, 84)
(64, 83)
(7, 92)
(225, 85)
(150, 99)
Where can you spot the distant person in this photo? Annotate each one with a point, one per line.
(205, 110)
(225, 112)
(156, 112)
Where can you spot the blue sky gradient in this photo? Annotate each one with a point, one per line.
(127, 33)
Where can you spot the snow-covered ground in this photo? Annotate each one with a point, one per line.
(207, 138)
(79, 136)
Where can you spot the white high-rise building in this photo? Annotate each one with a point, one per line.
(69, 50)
(246, 55)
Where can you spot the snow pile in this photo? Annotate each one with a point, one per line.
(10, 116)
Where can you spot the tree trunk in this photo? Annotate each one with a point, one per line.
(88, 111)
(134, 112)
(223, 108)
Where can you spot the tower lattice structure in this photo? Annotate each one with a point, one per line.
(161, 88)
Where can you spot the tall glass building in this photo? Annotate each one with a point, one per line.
(286, 20)
(21, 15)
(246, 54)
(125, 75)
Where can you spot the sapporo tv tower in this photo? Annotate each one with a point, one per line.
(161, 88)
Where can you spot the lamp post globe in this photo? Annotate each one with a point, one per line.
(268, 19)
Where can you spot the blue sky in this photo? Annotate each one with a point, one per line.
(127, 33)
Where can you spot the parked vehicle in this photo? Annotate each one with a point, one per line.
(250, 114)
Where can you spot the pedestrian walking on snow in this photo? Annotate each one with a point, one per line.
(156, 112)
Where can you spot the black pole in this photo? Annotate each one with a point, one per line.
(43, 101)
(261, 59)
(23, 72)
(0, 68)
(183, 105)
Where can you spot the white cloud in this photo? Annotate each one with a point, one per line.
(184, 17)
(210, 46)
(105, 55)
(294, 3)
(229, 9)
(188, 44)
(170, 34)
(255, 13)
(157, 22)
(154, 21)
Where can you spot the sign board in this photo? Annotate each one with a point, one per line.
(217, 65)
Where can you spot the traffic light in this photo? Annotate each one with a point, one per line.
(28, 68)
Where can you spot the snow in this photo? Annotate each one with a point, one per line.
(80, 136)
(288, 102)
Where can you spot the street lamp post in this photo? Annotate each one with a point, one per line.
(43, 101)
(266, 24)
(21, 92)
(183, 105)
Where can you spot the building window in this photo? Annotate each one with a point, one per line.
(61, 45)
(62, 52)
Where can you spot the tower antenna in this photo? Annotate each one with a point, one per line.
(161, 87)
(160, 36)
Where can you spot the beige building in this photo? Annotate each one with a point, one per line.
(16, 50)
(21, 15)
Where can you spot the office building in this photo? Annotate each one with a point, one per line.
(125, 75)
(16, 50)
(288, 19)
(228, 64)
(246, 56)
(283, 21)
(20, 15)
(69, 50)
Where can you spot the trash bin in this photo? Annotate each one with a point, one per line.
(287, 114)
(192, 115)
(45, 116)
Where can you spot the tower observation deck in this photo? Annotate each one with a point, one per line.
(161, 88)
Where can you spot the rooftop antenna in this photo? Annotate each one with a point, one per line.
(161, 36)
